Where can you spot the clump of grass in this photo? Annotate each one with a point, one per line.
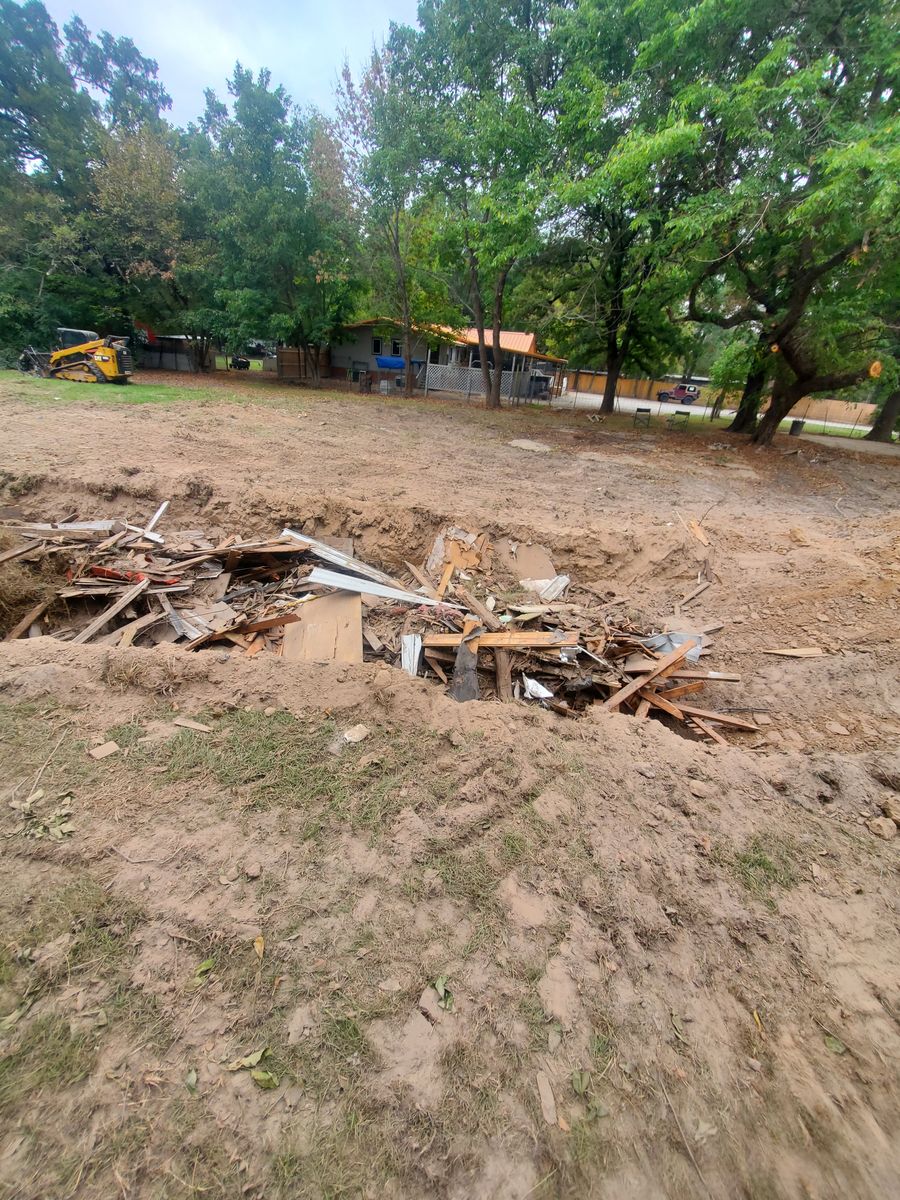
(48, 1055)
(282, 760)
(766, 862)
(126, 735)
(469, 876)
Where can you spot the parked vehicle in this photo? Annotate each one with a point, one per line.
(682, 393)
(81, 355)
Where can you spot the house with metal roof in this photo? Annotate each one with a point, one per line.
(445, 359)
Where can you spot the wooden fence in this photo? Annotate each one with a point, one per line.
(839, 411)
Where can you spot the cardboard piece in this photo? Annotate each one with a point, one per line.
(328, 629)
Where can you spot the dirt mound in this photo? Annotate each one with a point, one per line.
(503, 954)
(676, 937)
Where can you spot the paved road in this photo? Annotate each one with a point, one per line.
(628, 404)
(843, 443)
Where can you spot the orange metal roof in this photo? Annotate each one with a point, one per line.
(512, 341)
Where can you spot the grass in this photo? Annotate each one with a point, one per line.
(289, 398)
(765, 863)
(48, 1055)
(280, 760)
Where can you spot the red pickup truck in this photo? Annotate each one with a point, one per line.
(682, 393)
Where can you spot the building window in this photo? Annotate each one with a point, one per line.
(376, 345)
(395, 348)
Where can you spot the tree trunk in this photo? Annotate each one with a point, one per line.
(783, 400)
(718, 405)
(494, 398)
(883, 426)
(745, 417)
(613, 371)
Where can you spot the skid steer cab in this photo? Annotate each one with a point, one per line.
(83, 356)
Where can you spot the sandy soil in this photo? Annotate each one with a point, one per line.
(674, 968)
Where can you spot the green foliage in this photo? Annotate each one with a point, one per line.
(702, 183)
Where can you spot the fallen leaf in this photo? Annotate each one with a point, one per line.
(264, 1079)
(249, 1060)
(11, 1018)
(678, 1027)
(259, 945)
(548, 1100)
(204, 969)
(190, 1081)
(834, 1044)
(581, 1081)
(445, 996)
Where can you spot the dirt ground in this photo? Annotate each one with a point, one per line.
(670, 969)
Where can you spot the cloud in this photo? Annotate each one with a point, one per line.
(197, 42)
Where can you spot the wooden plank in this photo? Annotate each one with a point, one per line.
(156, 518)
(18, 551)
(503, 672)
(329, 629)
(107, 615)
(657, 701)
(264, 623)
(373, 641)
(698, 591)
(182, 627)
(125, 634)
(422, 579)
(706, 714)
(708, 730)
(447, 575)
(436, 667)
(508, 640)
(21, 627)
(799, 652)
(642, 709)
(66, 526)
(684, 689)
(366, 587)
(479, 610)
(661, 668)
(687, 673)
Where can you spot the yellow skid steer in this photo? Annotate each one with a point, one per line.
(82, 356)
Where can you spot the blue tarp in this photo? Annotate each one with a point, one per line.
(390, 362)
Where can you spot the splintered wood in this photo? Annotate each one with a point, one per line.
(484, 620)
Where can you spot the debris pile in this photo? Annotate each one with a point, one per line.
(488, 620)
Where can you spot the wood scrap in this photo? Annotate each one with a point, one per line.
(107, 615)
(663, 665)
(329, 629)
(508, 640)
(22, 626)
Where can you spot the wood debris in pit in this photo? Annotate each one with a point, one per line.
(487, 621)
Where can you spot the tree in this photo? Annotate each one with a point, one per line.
(133, 96)
(796, 176)
(43, 115)
(267, 186)
(611, 199)
(478, 78)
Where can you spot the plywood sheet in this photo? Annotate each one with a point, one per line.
(329, 629)
(525, 561)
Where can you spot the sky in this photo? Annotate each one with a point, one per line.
(197, 42)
